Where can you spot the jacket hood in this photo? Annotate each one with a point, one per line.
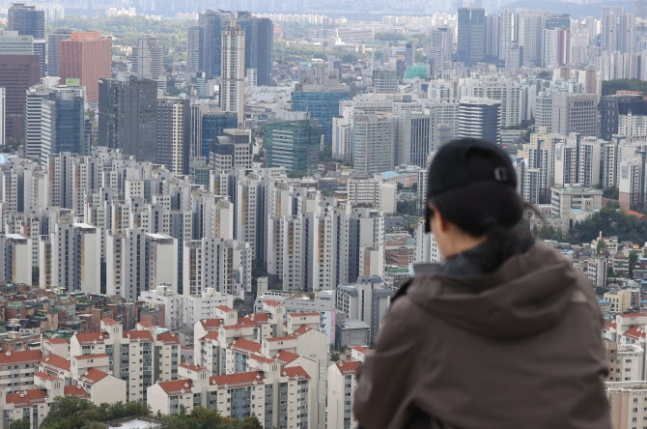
(527, 295)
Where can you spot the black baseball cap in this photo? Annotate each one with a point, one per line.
(464, 161)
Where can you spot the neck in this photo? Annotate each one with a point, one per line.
(463, 244)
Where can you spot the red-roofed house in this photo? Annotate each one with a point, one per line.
(17, 369)
(311, 320)
(58, 346)
(342, 382)
(239, 395)
(103, 387)
(358, 353)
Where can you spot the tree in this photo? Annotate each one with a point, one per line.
(407, 208)
(600, 247)
(334, 357)
(20, 424)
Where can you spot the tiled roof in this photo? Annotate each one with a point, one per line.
(90, 338)
(633, 315)
(92, 375)
(286, 338)
(145, 325)
(23, 357)
(295, 372)
(109, 322)
(243, 344)
(195, 368)
(241, 379)
(138, 335)
(210, 336)
(77, 391)
(168, 338)
(225, 308)
(286, 357)
(57, 362)
(210, 323)
(176, 386)
(348, 367)
(57, 341)
(308, 314)
(45, 376)
(272, 303)
(26, 398)
(362, 349)
(635, 332)
(302, 330)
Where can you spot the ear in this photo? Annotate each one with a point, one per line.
(443, 225)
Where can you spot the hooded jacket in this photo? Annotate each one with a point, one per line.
(518, 348)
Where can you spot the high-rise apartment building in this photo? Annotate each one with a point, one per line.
(54, 49)
(148, 58)
(3, 112)
(55, 121)
(617, 30)
(492, 35)
(531, 34)
(172, 134)
(480, 118)
(28, 21)
(17, 74)
(88, 57)
(128, 116)
(232, 83)
(471, 36)
(293, 144)
(373, 142)
(413, 137)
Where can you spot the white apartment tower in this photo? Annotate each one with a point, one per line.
(232, 85)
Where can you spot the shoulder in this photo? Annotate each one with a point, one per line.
(403, 322)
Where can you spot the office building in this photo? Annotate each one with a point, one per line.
(205, 40)
(385, 81)
(172, 134)
(612, 106)
(86, 56)
(322, 103)
(53, 49)
(413, 137)
(373, 143)
(148, 58)
(28, 21)
(480, 118)
(293, 145)
(12, 43)
(574, 112)
(212, 125)
(232, 151)
(55, 122)
(128, 116)
(640, 9)
(259, 46)
(17, 74)
(366, 300)
(232, 84)
(471, 36)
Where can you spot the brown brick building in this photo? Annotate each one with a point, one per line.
(17, 74)
(86, 56)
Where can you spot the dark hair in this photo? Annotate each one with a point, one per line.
(491, 209)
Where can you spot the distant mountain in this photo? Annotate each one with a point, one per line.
(577, 11)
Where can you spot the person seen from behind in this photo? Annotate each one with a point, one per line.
(505, 334)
